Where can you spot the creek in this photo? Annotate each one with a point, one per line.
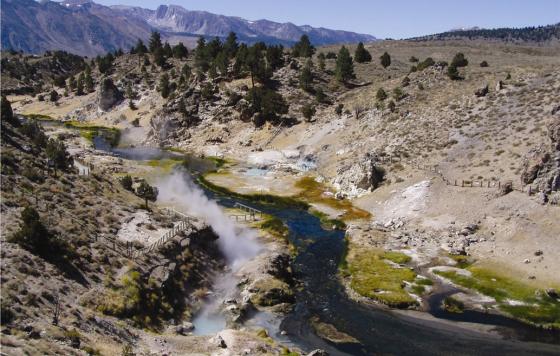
(379, 331)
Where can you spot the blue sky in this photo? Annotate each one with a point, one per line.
(395, 19)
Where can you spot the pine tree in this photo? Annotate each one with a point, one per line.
(459, 60)
(54, 96)
(88, 80)
(274, 57)
(140, 47)
(321, 59)
(7, 113)
(164, 85)
(362, 55)
(80, 85)
(385, 60)
(453, 72)
(180, 51)
(303, 48)
(72, 83)
(231, 45)
(201, 56)
(306, 77)
(167, 51)
(344, 70)
(222, 62)
(381, 94)
(147, 192)
(308, 111)
(155, 41)
(159, 57)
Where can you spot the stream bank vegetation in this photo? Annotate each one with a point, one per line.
(523, 302)
(378, 275)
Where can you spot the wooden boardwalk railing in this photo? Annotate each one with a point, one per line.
(185, 223)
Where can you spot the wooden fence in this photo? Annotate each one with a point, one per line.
(464, 183)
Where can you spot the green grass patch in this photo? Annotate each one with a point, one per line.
(313, 192)
(327, 222)
(165, 164)
(538, 309)
(462, 261)
(424, 281)
(373, 277)
(257, 197)
(275, 226)
(219, 162)
(418, 289)
(89, 132)
(39, 117)
(397, 257)
(453, 305)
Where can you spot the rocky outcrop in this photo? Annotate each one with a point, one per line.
(541, 168)
(109, 95)
(481, 92)
(360, 177)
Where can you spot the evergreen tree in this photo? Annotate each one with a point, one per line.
(164, 85)
(54, 96)
(140, 47)
(303, 48)
(126, 182)
(275, 57)
(306, 77)
(231, 45)
(159, 57)
(167, 51)
(308, 111)
(362, 55)
(7, 113)
(459, 60)
(256, 65)
(88, 80)
(213, 48)
(180, 51)
(186, 71)
(385, 60)
(72, 83)
(453, 72)
(155, 41)
(267, 103)
(222, 62)
(32, 235)
(321, 59)
(344, 70)
(147, 192)
(80, 84)
(57, 154)
(200, 55)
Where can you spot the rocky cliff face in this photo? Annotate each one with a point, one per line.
(360, 177)
(541, 168)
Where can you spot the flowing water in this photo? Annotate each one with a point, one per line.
(321, 294)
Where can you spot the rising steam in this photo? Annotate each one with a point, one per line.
(237, 244)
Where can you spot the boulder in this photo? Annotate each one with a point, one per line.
(499, 85)
(318, 352)
(218, 341)
(109, 95)
(482, 91)
(364, 175)
(184, 328)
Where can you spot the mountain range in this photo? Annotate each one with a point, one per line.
(86, 28)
